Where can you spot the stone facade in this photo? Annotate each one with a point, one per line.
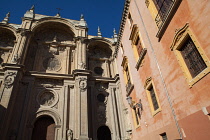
(51, 69)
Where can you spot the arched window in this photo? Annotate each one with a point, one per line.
(103, 133)
(44, 129)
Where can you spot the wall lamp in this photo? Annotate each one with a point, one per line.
(131, 103)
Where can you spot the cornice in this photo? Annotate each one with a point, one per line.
(122, 24)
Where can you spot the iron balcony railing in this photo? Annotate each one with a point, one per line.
(163, 7)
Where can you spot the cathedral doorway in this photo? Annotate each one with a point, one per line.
(103, 133)
(44, 129)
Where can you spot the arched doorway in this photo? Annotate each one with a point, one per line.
(103, 133)
(44, 129)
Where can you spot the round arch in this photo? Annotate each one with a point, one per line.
(104, 133)
(10, 28)
(44, 128)
(48, 20)
(50, 113)
(103, 40)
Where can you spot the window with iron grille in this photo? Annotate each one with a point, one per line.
(138, 45)
(136, 115)
(153, 98)
(192, 58)
(164, 136)
(128, 76)
(163, 7)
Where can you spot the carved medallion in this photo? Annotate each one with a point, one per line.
(46, 98)
(9, 79)
(83, 84)
(52, 64)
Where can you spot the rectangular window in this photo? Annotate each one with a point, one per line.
(153, 98)
(130, 19)
(164, 136)
(127, 75)
(138, 45)
(136, 116)
(192, 58)
(122, 49)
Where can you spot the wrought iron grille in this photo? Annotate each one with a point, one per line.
(154, 99)
(163, 7)
(138, 45)
(164, 136)
(192, 58)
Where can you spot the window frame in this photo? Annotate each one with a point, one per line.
(137, 117)
(134, 36)
(126, 73)
(179, 40)
(148, 84)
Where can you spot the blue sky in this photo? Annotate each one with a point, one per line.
(104, 13)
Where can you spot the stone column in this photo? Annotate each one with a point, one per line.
(81, 53)
(19, 52)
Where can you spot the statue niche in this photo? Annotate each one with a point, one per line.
(7, 41)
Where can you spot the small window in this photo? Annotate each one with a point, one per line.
(163, 136)
(122, 49)
(138, 45)
(129, 85)
(98, 70)
(137, 116)
(190, 55)
(138, 49)
(152, 96)
(130, 20)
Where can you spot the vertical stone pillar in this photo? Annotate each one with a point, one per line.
(82, 108)
(65, 110)
(19, 52)
(81, 53)
(8, 96)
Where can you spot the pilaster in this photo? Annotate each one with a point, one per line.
(8, 95)
(81, 118)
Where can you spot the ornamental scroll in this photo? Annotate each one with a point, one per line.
(9, 79)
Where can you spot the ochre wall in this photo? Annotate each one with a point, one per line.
(187, 102)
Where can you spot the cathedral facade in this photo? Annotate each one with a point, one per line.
(58, 82)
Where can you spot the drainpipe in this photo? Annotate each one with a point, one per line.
(162, 79)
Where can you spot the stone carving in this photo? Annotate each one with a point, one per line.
(147, 81)
(16, 58)
(83, 84)
(46, 98)
(9, 79)
(52, 64)
(82, 65)
(69, 134)
(178, 34)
